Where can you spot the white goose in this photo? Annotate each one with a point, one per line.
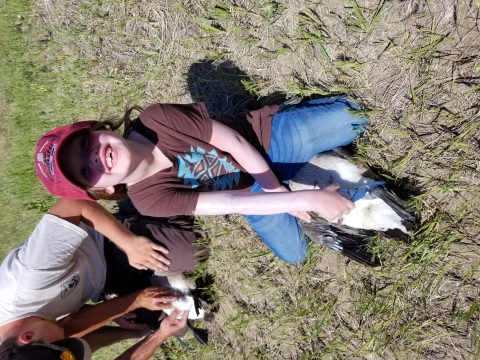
(188, 302)
(376, 208)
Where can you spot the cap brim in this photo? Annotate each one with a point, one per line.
(78, 192)
(47, 164)
(79, 348)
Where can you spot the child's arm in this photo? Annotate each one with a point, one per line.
(142, 253)
(331, 205)
(327, 202)
(250, 159)
(246, 155)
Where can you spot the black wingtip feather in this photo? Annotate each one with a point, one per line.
(351, 243)
(354, 247)
(407, 215)
(200, 334)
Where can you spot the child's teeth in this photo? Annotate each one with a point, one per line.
(110, 158)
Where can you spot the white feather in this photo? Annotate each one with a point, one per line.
(180, 282)
(325, 169)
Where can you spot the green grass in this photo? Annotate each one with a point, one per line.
(22, 199)
(412, 64)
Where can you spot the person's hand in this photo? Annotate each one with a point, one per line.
(144, 254)
(174, 322)
(157, 298)
(302, 215)
(330, 204)
(125, 323)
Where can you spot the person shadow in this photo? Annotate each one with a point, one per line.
(224, 88)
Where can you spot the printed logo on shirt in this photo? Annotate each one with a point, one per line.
(206, 171)
(70, 285)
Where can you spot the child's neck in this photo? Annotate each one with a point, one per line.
(147, 158)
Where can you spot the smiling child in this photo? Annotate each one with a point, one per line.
(176, 160)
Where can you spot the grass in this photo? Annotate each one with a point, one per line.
(414, 65)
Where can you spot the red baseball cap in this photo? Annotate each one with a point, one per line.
(47, 166)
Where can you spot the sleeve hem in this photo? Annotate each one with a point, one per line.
(208, 121)
(66, 224)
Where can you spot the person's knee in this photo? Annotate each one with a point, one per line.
(350, 119)
(295, 261)
(293, 257)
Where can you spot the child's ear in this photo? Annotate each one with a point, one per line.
(26, 337)
(109, 190)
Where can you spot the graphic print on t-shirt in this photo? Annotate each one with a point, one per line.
(206, 171)
(69, 285)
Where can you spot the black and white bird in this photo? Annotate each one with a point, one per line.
(376, 208)
(187, 302)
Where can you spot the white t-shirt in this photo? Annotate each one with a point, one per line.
(57, 270)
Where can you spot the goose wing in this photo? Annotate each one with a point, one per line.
(352, 243)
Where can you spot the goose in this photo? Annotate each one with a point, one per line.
(188, 302)
(376, 208)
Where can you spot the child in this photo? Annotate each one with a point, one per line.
(176, 160)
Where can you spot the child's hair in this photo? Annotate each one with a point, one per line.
(47, 163)
(115, 124)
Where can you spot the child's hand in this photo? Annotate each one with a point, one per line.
(144, 254)
(330, 204)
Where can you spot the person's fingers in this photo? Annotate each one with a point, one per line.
(306, 216)
(155, 264)
(160, 248)
(130, 315)
(158, 262)
(159, 305)
(302, 215)
(161, 258)
(159, 289)
(332, 187)
(167, 298)
(183, 320)
(175, 313)
(139, 266)
(164, 291)
(350, 204)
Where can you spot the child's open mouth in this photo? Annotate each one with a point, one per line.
(109, 157)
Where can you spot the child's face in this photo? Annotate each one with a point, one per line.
(96, 159)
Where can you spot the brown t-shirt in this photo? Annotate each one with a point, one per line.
(183, 133)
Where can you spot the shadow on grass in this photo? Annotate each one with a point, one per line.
(225, 89)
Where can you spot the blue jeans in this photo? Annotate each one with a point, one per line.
(299, 133)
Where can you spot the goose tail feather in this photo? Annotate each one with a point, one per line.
(397, 205)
